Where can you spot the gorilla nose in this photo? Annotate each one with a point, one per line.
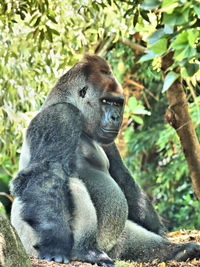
(115, 116)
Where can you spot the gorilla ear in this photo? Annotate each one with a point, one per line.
(83, 91)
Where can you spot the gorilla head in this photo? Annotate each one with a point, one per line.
(103, 92)
(91, 86)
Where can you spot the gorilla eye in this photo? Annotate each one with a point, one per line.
(110, 102)
(83, 91)
(107, 72)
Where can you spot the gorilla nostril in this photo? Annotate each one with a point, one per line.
(115, 117)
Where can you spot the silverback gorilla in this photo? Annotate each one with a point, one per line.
(74, 198)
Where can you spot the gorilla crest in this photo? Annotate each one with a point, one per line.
(74, 198)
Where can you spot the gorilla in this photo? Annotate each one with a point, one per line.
(74, 197)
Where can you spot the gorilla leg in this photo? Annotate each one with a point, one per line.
(111, 208)
(138, 244)
(84, 222)
(84, 226)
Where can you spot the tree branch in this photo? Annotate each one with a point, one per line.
(133, 45)
(179, 118)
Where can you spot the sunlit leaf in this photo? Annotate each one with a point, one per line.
(137, 119)
(132, 102)
(193, 34)
(170, 78)
(140, 110)
(160, 47)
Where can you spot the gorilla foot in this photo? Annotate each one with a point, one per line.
(187, 251)
(93, 256)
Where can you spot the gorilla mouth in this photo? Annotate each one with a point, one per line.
(111, 131)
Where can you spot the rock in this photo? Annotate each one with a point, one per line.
(12, 252)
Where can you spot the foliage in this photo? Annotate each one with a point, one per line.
(40, 40)
(178, 32)
(156, 160)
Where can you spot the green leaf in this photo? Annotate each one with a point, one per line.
(132, 102)
(197, 10)
(129, 12)
(178, 17)
(150, 4)
(149, 56)
(41, 35)
(37, 22)
(95, 6)
(137, 119)
(49, 34)
(52, 18)
(191, 69)
(29, 35)
(167, 3)
(155, 36)
(193, 34)
(36, 32)
(181, 41)
(160, 47)
(170, 78)
(34, 18)
(168, 29)
(144, 15)
(188, 53)
(135, 18)
(55, 32)
(140, 110)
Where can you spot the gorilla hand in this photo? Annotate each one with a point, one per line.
(54, 251)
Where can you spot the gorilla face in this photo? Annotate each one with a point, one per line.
(112, 107)
(101, 102)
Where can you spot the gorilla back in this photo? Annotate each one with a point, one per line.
(74, 198)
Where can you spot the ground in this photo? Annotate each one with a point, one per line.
(178, 237)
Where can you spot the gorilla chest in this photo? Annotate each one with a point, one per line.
(90, 156)
(107, 197)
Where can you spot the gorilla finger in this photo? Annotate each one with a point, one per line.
(58, 258)
(65, 260)
(44, 257)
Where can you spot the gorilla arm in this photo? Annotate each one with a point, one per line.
(43, 185)
(141, 210)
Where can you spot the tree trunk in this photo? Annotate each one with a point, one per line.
(12, 252)
(179, 118)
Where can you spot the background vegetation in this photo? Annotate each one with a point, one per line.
(40, 40)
